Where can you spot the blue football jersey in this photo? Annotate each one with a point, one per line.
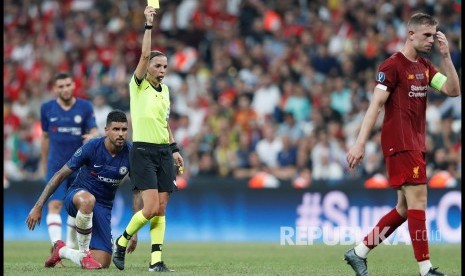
(65, 129)
(99, 173)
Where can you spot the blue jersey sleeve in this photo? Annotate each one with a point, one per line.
(44, 117)
(81, 156)
(90, 117)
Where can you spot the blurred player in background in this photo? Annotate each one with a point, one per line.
(102, 163)
(153, 151)
(67, 123)
(401, 88)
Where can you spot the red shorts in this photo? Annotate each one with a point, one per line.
(406, 167)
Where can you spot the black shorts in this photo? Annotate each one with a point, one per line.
(152, 167)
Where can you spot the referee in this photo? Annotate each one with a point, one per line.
(154, 151)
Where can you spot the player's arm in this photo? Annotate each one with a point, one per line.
(141, 68)
(449, 82)
(45, 144)
(36, 212)
(176, 155)
(355, 155)
(93, 132)
(170, 134)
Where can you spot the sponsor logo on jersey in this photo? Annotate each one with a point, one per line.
(380, 77)
(418, 91)
(53, 119)
(410, 76)
(112, 181)
(72, 130)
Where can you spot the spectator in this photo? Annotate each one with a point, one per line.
(291, 128)
(287, 159)
(227, 41)
(266, 98)
(269, 146)
(298, 103)
(101, 110)
(327, 170)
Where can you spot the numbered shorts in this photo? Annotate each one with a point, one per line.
(101, 222)
(60, 192)
(406, 167)
(152, 167)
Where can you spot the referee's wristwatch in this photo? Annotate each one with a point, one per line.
(147, 27)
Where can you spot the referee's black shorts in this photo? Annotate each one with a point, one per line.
(152, 167)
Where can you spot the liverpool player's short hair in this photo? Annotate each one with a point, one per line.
(418, 19)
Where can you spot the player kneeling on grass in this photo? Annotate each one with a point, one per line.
(103, 163)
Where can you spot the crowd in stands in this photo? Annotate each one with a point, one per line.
(275, 88)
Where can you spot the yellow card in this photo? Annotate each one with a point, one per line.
(153, 3)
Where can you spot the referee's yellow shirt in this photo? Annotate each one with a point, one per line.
(150, 111)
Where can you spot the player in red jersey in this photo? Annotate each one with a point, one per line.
(402, 83)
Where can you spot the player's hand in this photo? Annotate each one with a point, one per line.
(34, 218)
(355, 155)
(132, 244)
(443, 43)
(149, 13)
(178, 161)
(87, 137)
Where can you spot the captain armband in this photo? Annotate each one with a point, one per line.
(438, 81)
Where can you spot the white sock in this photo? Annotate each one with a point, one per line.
(362, 250)
(84, 230)
(54, 227)
(71, 254)
(424, 267)
(71, 237)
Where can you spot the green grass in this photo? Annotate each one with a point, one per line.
(27, 258)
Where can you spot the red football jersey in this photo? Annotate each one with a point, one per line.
(404, 125)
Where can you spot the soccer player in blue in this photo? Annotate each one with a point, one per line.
(67, 123)
(102, 163)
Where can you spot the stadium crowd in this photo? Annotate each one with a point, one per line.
(258, 87)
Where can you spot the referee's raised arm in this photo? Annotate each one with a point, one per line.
(141, 68)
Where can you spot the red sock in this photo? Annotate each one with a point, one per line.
(386, 225)
(418, 234)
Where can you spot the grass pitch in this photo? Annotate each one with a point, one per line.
(27, 258)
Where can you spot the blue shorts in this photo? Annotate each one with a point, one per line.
(101, 223)
(60, 192)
